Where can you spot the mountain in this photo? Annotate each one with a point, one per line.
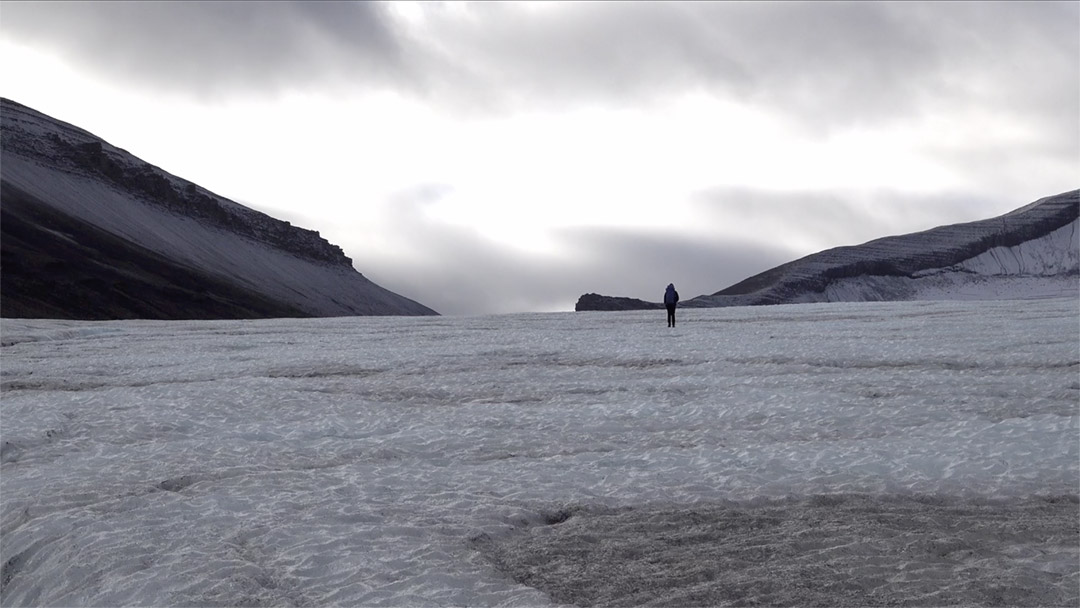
(89, 231)
(1030, 252)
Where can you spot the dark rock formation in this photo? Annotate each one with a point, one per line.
(594, 301)
(56, 266)
(98, 160)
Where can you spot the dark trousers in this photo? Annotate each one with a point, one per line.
(670, 315)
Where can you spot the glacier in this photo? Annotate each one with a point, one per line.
(848, 454)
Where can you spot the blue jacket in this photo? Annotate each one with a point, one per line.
(671, 296)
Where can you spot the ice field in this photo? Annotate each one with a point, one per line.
(920, 453)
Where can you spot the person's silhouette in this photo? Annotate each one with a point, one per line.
(671, 298)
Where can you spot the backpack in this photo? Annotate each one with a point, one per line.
(671, 296)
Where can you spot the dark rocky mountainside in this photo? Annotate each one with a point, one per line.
(53, 265)
(984, 258)
(91, 232)
(66, 148)
(595, 301)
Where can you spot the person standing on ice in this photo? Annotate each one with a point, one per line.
(671, 298)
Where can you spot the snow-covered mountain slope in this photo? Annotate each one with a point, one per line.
(1033, 251)
(90, 231)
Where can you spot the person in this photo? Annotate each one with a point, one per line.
(671, 298)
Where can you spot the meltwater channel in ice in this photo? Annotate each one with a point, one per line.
(401, 461)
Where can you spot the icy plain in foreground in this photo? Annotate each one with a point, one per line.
(925, 453)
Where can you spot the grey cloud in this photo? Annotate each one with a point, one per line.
(832, 219)
(820, 64)
(580, 52)
(456, 270)
(216, 49)
(1019, 61)
(639, 263)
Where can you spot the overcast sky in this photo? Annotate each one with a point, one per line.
(504, 157)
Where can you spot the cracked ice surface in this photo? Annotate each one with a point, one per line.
(395, 461)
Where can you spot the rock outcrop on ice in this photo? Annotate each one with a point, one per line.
(1033, 251)
(92, 232)
(595, 301)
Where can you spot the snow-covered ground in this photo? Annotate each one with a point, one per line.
(925, 453)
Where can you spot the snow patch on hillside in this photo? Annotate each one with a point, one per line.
(1054, 254)
(1047, 267)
